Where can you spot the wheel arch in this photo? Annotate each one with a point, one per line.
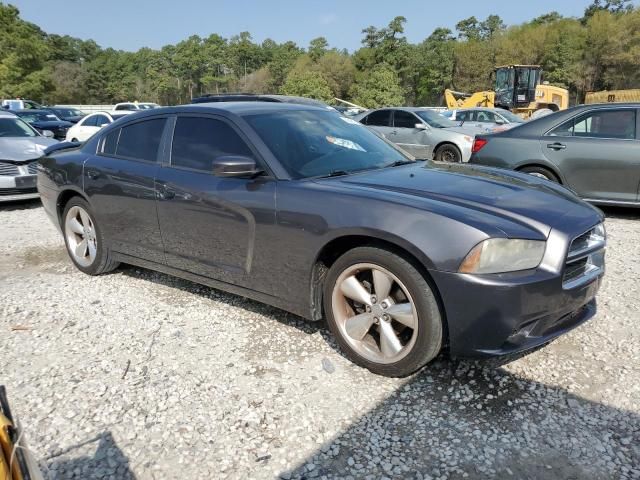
(64, 197)
(543, 165)
(338, 246)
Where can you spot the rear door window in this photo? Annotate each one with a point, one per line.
(90, 121)
(620, 124)
(141, 140)
(101, 119)
(381, 118)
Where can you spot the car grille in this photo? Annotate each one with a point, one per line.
(585, 260)
(9, 169)
(32, 168)
(17, 191)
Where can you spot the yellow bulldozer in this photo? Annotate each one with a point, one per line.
(613, 96)
(518, 88)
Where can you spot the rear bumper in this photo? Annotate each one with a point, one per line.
(494, 315)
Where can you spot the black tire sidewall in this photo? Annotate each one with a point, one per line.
(440, 152)
(95, 267)
(430, 330)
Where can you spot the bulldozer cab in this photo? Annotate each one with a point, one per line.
(515, 85)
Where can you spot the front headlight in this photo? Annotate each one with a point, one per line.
(500, 255)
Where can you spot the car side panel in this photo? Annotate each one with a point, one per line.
(310, 216)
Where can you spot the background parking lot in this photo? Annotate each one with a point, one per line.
(138, 374)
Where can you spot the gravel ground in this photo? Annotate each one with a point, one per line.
(136, 374)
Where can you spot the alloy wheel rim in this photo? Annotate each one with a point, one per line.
(81, 237)
(375, 313)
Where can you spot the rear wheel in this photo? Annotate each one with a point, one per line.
(541, 172)
(84, 240)
(74, 139)
(382, 312)
(448, 153)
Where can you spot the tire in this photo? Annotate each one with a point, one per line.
(541, 172)
(74, 140)
(101, 261)
(363, 339)
(448, 153)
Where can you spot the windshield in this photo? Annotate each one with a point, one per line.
(14, 127)
(317, 143)
(511, 117)
(38, 117)
(435, 120)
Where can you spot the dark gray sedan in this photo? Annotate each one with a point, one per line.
(592, 149)
(307, 210)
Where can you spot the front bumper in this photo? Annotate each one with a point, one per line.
(18, 187)
(489, 315)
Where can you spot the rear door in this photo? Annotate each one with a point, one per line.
(408, 137)
(210, 224)
(119, 181)
(598, 152)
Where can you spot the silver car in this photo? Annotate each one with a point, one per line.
(422, 132)
(491, 119)
(20, 147)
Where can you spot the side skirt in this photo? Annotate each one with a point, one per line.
(300, 310)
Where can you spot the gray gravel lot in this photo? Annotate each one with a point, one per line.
(136, 374)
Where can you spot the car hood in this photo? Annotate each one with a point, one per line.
(23, 149)
(517, 198)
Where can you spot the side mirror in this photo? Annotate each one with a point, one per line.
(421, 126)
(500, 121)
(47, 133)
(235, 166)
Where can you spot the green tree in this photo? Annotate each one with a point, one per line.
(377, 88)
(317, 48)
(307, 84)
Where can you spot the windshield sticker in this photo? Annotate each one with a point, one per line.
(342, 142)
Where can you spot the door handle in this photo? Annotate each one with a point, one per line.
(93, 174)
(394, 132)
(556, 146)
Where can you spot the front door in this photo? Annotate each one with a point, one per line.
(598, 153)
(119, 180)
(210, 224)
(408, 137)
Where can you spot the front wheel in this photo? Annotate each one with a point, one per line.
(382, 312)
(83, 239)
(448, 153)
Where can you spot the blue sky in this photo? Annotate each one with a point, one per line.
(132, 24)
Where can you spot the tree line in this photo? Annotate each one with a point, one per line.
(599, 51)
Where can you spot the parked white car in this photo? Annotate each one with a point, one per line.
(85, 128)
(134, 106)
